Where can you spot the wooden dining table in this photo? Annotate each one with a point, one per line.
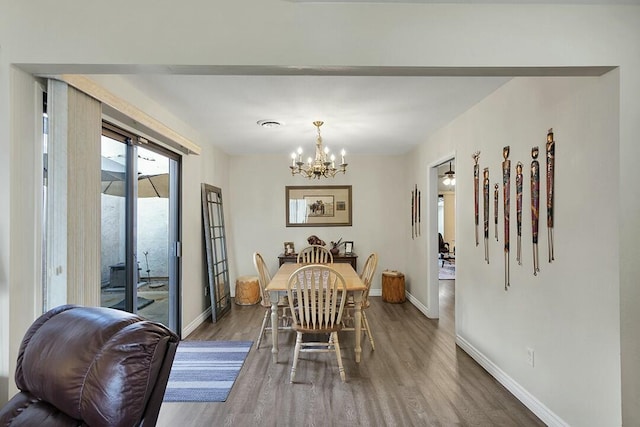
(278, 286)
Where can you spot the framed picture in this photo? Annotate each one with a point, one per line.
(318, 206)
(289, 248)
(348, 247)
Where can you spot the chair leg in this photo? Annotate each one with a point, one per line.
(296, 353)
(336, 347)
(262, 328)
(368, 329)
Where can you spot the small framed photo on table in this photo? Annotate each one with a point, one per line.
(348, 247)
(289, 249)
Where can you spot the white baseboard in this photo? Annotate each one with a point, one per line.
(530, 401)
(196, 322)
(420, 306)
(413, 300)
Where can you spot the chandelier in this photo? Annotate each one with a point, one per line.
(323, 165)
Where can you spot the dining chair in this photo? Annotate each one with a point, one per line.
(320, 293)
(315, 254)
(366, 276)
(264, 277)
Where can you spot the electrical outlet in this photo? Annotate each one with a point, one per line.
(530, 356)
(206, 291)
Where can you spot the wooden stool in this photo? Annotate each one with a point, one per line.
(247, 290)
(393, 286)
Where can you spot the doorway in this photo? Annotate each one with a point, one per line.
(446, 220)
(139, 230)
(442, 227)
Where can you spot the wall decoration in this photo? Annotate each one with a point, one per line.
(476, 190)
(318, 206)
(416, 217)
(413, 219)
(419, 214)
(315, 240)
(551, 166)
(215, 239)
(289, 248)
(506, 202)
(495, 209)
(519, 211)
(348, 247)
(415, 211)
(535, 207)
(485, 211)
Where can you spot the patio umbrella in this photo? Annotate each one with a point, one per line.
(113, 181)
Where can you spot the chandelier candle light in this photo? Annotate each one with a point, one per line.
(322, 166)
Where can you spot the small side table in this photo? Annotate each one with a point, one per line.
(247, 290)
(393, 287)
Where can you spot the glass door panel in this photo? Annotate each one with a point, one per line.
(113, 278)
(140, 229)
(153, 245)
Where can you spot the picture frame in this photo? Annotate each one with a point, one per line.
(348, 247)
(318, 206)
(289, 248)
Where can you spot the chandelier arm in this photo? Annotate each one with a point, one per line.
(319, 167)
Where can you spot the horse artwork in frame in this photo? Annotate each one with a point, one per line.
(318, 206)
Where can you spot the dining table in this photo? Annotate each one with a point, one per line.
(278, 286)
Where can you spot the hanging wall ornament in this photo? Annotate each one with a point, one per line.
(535, 206)
(506, 202)
(519, 211)
(415, 211)
(419, 214)
(496, 188)
(485, 209)
(551, 166)
(476, 189)
(413, 207)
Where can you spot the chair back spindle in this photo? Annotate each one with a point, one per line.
(315, 254)
(317, 296)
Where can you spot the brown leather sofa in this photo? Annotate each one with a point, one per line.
(91, 366)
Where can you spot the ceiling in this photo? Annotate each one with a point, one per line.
(365, 115)
(479, 1)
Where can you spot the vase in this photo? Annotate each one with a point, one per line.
(334, 251)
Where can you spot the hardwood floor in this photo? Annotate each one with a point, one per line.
(417, 376)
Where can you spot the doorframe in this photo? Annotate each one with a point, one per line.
(433, 283)
(133, 139)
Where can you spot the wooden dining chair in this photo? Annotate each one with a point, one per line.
(321, 294)
(264, 277)
(366, 276)
(315, 254)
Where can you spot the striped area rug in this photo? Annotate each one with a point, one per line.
(204, 371)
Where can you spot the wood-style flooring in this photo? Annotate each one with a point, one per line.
(417, 376)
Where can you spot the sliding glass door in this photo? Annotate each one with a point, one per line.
(139, 240)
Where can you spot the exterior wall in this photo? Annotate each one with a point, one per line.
(153, 236)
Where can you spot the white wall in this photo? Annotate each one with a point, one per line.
(211, 167)
(569, 313)
(258, 207)
(450, 219)
(21, 271)
(285, 34)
